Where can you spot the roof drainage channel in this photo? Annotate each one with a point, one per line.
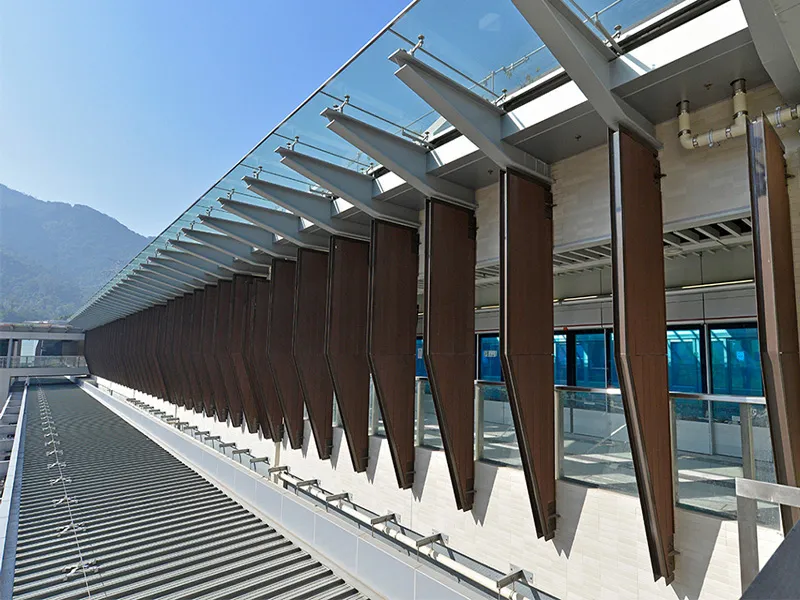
(97, 520)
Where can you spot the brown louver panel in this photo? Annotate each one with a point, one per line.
(391, 338)
(258, 349)
(196, 352)
(777, 303)
(156, 322)
(279, 349)
(173, 339)
(195, 387)
(210, 354)
(449, 339)
(309, 346)
(526, 335)
(223, 351)
(240, 322)
(346, 341)
(164, 352)
(640, 329)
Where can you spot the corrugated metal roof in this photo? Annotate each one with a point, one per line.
(147, 525)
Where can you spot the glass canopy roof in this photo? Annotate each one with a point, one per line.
(485, 45)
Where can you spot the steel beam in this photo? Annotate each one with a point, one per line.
(210, 255)
(140, 280)
(772, 47)
(312, 207)
(352, 186)
(587, 60)
(201, 264)
(173, 275)
(180, 268)
(250, 234)
(163, 281)
(278, 222)
(474, 116)
(227, 245)
(407, 160)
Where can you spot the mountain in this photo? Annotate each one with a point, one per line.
(54, 256)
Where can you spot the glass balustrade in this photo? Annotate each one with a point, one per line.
(428, 433)
(30, 362)
(719, 438)
(594, 446)
(497, 438)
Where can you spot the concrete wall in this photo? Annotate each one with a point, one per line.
(600, 550)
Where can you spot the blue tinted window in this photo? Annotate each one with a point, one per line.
(560, 359)
(735, 362)
(421, 370)
(685, 369)
(683, 356)
(590, 360)
(489, 368)
(613, 378)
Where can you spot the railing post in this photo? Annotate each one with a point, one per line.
(746, 521)
(479, 414)
(373, 408)
(419, 417)
(673, 432)
(559, 434)
(748, 451)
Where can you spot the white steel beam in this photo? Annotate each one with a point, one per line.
(141, 282)
(201, 264)
(177, 277)
(769, 37)
(256, 236)
(312, 207)
(278, 222)
(210, 255)
(180, 288)
(176, 267)
(587, 61)
(474, 116)
(228, 245)
(406, 159)
(352, 186)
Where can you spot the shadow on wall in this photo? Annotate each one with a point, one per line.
(422, 461)
(695, 536)
(375, 444)
(569, 507)
(485, 476)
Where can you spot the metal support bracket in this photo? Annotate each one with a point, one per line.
(587, 60)
(404, 158)
(475, 117)
(352, 186)
(312, 207)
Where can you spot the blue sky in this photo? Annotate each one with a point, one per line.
(136, 107)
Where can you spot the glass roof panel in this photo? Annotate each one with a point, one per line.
(378, 97)
(618, 16)
(489, 46)
(484, 45)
